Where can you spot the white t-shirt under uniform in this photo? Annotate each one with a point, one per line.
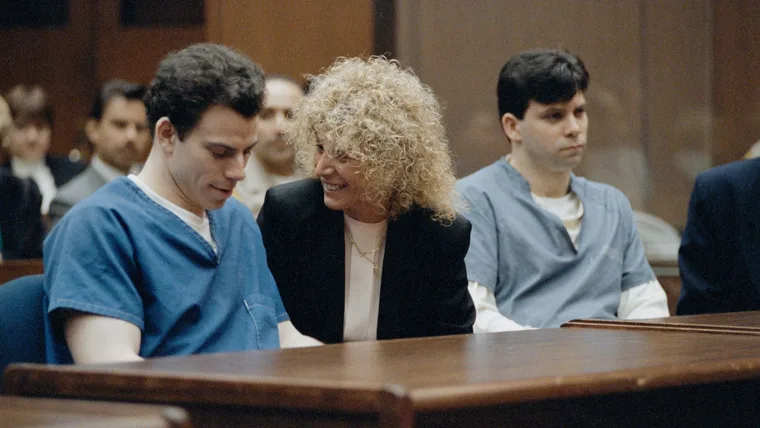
(647, 300)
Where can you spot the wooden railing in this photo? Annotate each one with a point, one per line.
(12, 269)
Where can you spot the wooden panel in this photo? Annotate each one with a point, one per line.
(22, 412)
(746, 323)
(549, 374)
(672, 286)
(735, 89)
(133, 53)
(62, 60)
(293, 37)
(677, 111)
(12, 269)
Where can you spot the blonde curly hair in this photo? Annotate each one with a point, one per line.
(381, 116)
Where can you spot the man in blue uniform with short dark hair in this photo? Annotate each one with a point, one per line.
(161, 263)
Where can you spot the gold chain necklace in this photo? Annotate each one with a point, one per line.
(364, 254)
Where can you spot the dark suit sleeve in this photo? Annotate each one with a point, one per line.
(22, 228)
(452, 309)
(705, 252)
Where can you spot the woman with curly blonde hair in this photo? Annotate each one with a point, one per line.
(371, 247)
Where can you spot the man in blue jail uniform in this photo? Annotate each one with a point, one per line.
(548, 246)
(162, 263)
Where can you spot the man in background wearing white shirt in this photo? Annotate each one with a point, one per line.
(272, 162)
(548, 246)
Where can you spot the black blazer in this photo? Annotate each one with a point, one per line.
(719, 258)
(423, 289)
(20, 220)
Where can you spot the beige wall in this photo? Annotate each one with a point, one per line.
(293, 37)
(650, 92)
(736, 92)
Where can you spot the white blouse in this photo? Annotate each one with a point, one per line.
(363, 278)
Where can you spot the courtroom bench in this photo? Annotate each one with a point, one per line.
(549, 377)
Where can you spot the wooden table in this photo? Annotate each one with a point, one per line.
(668, 275)
(745, 323)
(551, 377)
(44, 412)
(12, 269)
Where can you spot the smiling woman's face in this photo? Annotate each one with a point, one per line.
(343, 186)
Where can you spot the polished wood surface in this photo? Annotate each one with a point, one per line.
(22, 412)
(747, 323)
(293, 37)
(12, 269)
(543, 377)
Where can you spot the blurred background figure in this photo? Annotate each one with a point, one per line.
(272, 162)
(754, 151)
(117, 128)
(27, 141)
(21, 227)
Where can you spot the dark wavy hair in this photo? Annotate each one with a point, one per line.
(113, 88)
(546, 76)
(190, 81)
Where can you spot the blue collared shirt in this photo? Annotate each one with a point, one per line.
(120, 254)
(525, 256)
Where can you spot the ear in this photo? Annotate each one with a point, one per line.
(509, 125)
(91, 130)
(166, 135)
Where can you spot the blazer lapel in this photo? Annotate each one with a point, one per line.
(397, 278)
(329, 271)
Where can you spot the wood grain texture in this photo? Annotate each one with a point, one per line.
(404, 382)
(61, 59)
(12, 269)
(746, 323)
(736, 95)
(293, 37)
(22, 412)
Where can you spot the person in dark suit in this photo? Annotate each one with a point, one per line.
(118, 130)
(27, 141)
(720, 248)
(372, 246)
(21, 227)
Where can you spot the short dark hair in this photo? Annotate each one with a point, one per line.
(113, 88)
(190, 81)
(546, 76)
(30, 103)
